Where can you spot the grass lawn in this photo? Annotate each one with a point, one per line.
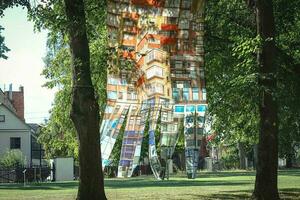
(208, 185)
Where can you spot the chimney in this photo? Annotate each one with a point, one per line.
(21, 89)
(16, 98)
(10, 92)
(18, 101)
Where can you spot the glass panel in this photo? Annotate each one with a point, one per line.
(201, 108)
(112, 95)
(195, 94)
(190, 108)
(154, 71)
(109, 109)
(179, 109)
(185, 94)
(204, 94)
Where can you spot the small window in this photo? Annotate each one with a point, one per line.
(195, 94)
(112, 95)
(109, 109)
(190, 108)
(2, 118)
(176, 94)
(204, 94)
(131, 121)
(179, 109)
(154, 71)
(201, 108)
(15, 143)
(121, 95)
(185, 94)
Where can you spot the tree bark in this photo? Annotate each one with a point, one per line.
(85, 108)
(267, 165)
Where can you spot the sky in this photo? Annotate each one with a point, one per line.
(25, 63)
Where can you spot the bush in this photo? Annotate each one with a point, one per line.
(230, 159)
(12, 158)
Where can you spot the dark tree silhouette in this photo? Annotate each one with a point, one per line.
(85, 108)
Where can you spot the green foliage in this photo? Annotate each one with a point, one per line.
(157, 134)
(145, 142)
(12, 158)
(11, 3)
(231, 71)
(180, 142)
(3, 48)
(230, 159)
(288, 25)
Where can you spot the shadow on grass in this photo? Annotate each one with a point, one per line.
(139, 183)
(289, 172)
(125, 183)
(290, 193)
(223, 195)
(41, 186)
(224, 174)
(285, 172)
(285, 194)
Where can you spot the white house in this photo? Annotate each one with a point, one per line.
(14, 133)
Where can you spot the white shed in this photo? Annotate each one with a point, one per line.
(63, 169)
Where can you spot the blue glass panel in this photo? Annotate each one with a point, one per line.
(190, 108)
(114, 124)
(105, 162)
(130, 133)
(113, 81)
(186, 94)
(201, 108)
(151, 137)
(112, 95)
(109, 109)
(179, 109)
(124, 162)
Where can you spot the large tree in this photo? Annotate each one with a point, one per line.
(267, 165)
(85, 108)
(232, 72)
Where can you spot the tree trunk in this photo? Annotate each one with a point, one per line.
(242, 155)
(255, 158)
(85, 108)
(267, 165)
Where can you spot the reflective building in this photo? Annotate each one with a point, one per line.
(156, 72)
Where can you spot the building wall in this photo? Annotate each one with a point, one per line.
(14, 127)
